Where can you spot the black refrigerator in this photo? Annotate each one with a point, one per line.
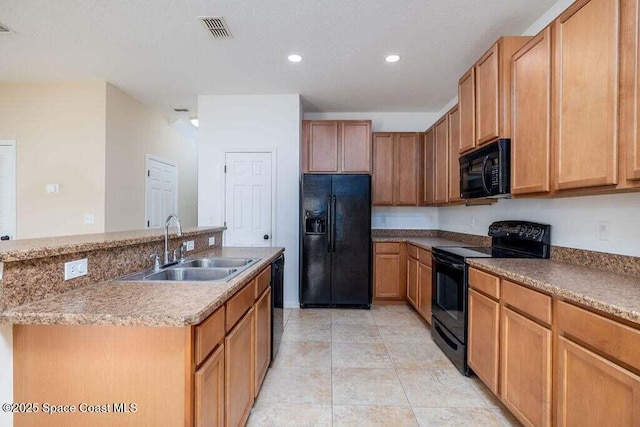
(335, 246)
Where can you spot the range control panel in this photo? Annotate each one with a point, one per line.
(520, 230)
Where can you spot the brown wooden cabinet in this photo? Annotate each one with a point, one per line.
(331, 146)
(525, 374)
(262, 326)
(466, 104)
(531, 127)
(441, 145)
(209, 391)
(412, 281)
(428, 175)
(487, 96)
(239, 371)
(593, 391)
(397, 168)
(483, 338)
(585, 106)
(389, 271)
(454, 156)
(425, 291)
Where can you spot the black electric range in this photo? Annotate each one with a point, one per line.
(509, 239)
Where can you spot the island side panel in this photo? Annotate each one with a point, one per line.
(104, 365)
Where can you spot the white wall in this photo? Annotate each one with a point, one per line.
(404, 217)
(6, 372)
(575, 221)
(253, 122)
(383, 122)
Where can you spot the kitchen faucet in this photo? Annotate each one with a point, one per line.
(166, 235)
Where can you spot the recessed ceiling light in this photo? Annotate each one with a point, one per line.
(392, 58)
(294, 58)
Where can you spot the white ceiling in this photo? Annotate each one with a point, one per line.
(158, 51)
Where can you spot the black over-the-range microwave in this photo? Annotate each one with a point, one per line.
(486, 172)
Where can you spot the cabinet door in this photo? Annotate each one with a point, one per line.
(387, 274)
(526, 387)
(454, 156)
(382, 178)
(425, 291)
(487, 97)
(209, 391)
(483, 341)
(239, 371)
(467, 107)
(531, 138)
(428, 187)
(586, 94)
(355, 138)
(406, 169)
(593, 391)
(262, 326)
(323, 146)
(412, 281)
(442, 160)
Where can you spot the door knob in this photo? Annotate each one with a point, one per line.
(265, 237)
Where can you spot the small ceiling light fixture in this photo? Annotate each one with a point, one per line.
(294, 58)
(392, 58)
(194, 122)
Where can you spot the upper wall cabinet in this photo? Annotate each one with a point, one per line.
(330, 146)
(397, 161)
(531, 116)
(586, 94)
(486, 90)
(428, 177)
(441, 148)
(454, 157)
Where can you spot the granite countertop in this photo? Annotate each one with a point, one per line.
(142, 303)
(23, 249)
(423, 242)
(616, 294)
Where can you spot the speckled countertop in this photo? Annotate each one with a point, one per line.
(23, 249)
(423, 242)
(142, 303)
(616, 294)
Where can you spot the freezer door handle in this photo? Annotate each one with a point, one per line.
(330, 226)
(333, 226)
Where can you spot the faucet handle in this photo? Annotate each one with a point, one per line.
(175, 257)
(156, 261)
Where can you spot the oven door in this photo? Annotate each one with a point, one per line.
(448, 302)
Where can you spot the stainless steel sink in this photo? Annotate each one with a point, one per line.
(218, 262)
(195, 270)
(180, 274)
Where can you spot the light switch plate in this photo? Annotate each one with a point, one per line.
(190, 245)
(212, 241)
(73, 269)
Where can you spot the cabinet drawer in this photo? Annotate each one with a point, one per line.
(412, 251)
(484, 282)
(425, 257)
(532, 303)
(209, 334)
(262, 281)
(240, 303)
(387, 248)
(612, 338)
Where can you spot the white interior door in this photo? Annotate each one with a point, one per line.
(8, 189)
(248, 199)
(161, 191)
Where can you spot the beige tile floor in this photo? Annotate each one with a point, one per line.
(375, 367)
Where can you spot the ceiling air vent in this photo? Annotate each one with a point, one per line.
(181, 110)
(4, 29)
(216, 26)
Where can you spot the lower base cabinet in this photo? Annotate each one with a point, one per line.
(412, 282)
(239, 371)
(425, 287)
(262, 326)
(526, 368)
(483, 340)
(209, 391)
(593, 391)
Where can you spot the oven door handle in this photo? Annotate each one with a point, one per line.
(484, 182)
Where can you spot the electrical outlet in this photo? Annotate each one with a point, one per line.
(73, 269)
(212, 241)
(89, 219)
(190, 245)
(604, 230)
